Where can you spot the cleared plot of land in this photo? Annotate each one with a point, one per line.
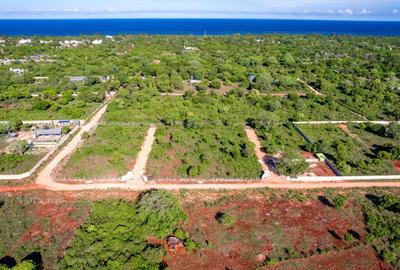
(16, 163)
(202, 152)
(109, 152)
(353, 150)
(276, 231)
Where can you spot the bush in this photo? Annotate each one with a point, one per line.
(348, 237)
(339, 201)
(190, 245)
(292, 166)
(41, 105)
(18, 147)
(225, 219)
(114, 236)
(85, 135)
(215, 84)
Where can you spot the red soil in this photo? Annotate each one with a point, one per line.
(396, 164)
(260, 229)
(52, 221)
(360, 258)
(319, 169)
(308, 155)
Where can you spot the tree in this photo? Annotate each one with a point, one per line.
(41, 105)
(18, 147)
(292, 165)
(215, 84)
(264, 81)
(393, 131)
(339, 201)
(65, 130)
(289, 59)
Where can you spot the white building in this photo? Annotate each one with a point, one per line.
(24, 41)
(17, 71)
(110, 38)
(187, 48)
(46, 41)
(71, 43)
(97, 41)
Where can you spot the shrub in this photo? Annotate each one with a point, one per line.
(41, 105)
(216, 84)
(225, 219)
(85, 135)
(339, 201)
(292, 165)
(190, 245)
(348, 237)
(18, 147)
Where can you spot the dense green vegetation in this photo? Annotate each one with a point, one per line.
(358, 72)
(357, 76)
(16, 163)
(203, 152)
(117, 233)
(356, 149)
(383, 220)
(107, 152)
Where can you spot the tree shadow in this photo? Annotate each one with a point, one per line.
(355, 234)
(10, 262)
(373, 198)
(325, 201)
(334, 234)
(36, 258)
(218, 216)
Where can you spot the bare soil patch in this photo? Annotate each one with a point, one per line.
(396, 165)
(362, 258)
(265, 229)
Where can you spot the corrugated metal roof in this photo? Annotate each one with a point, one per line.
(52, 131)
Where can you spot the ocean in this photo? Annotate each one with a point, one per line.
(76, 27)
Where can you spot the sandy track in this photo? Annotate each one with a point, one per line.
(44, 177)
(315, 91)
(142, 157)
(142, 187)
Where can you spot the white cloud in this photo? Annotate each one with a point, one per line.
(68, 10)
(364, 11)
(347, 12)
(395, 12)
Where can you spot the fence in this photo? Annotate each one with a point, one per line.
(88, 180)
(330, 164)
(43, 160)
(343, 178)
(205, 180)
(308, 140)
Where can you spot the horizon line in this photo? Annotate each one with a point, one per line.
(208, 18)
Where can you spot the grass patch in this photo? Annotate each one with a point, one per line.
(108, 152)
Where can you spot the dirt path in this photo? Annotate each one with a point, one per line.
(315, 91)
(275, 184)
(262, 157)
(142, 157)
(44, 177)
(346, 130)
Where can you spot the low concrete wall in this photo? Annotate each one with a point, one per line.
(343, 178)
(44, 159)
(345, 122)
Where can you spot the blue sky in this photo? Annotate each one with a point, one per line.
(296, 9)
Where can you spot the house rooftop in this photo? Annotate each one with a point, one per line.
(49, 132)
(77, 78)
